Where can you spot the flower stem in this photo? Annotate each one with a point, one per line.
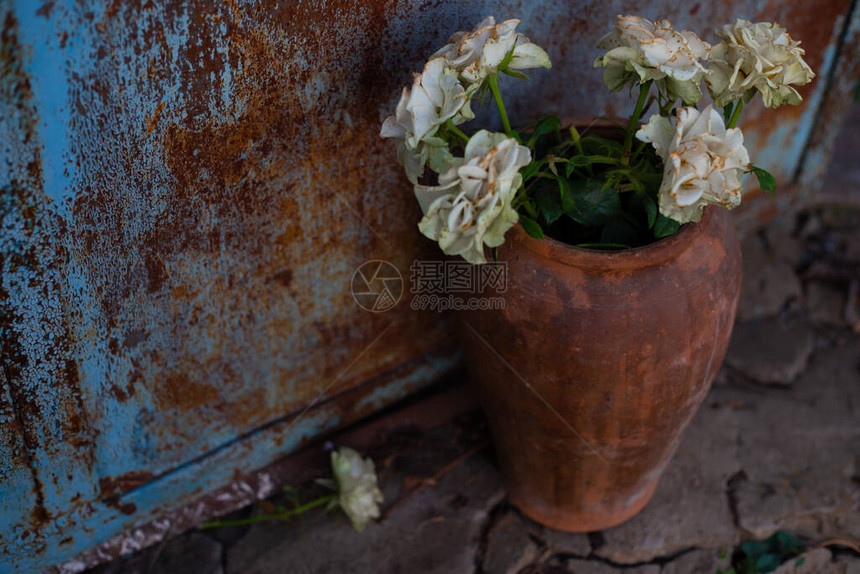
(493, 82)
(634, 121)
(279, 516)
(736, 114)
(456, 131)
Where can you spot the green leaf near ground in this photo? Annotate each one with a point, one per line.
(764, 556)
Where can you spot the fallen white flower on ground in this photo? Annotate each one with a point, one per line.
(358, 494)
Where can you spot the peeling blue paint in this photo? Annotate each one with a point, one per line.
(209, 177)
(46, 68)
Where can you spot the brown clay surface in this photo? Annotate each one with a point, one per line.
(597, 364)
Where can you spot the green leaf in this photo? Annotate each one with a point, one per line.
(548, 202)
(596, 145)
(579, 160)
(594, 206)
(605, 246)
(530, 170)
(619, 232)
(664, 227)
(785, 542)
(727, 111)
(507, 60)
(650, 209)
(547, 125)
(515, 74)
(755, 548)
(765, 180)
(529, 208)
(799, 562)
(568, 202)
(767, 563)
(531, 226)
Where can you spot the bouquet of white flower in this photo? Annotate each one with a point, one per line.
(581, 188)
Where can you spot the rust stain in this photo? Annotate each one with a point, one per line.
(113, 486)
(179, 391)
(45, 9)
(156, 272)
(154, 119)
(126, 508)
(284, 277)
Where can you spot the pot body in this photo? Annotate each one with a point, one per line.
(597, 363)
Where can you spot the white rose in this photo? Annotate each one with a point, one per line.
(479, 53)
(641, 50)
(703, 161)
(436, 96)
(471, 206)
(358, 494)
(759, 57)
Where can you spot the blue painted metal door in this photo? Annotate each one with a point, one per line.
(187, 190)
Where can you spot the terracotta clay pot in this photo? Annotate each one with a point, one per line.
(598, 362)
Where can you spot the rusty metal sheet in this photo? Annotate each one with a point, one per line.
(845, 77)
(17, 479)
(191, 187)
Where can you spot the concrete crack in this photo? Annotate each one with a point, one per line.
(656, 561)
(732, 485)
(496, 512)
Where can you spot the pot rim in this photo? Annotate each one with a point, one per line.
(655, 253)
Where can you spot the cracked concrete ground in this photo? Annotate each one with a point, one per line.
(776, 446)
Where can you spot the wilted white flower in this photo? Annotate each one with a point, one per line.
(471, 206)
(479, 53)
(358, 494)
(759, 57)
(436, 96)
(703, 161)
(641, 50)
